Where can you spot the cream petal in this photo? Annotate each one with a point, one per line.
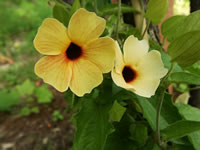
(102, 53)
(119, 60)
(52, 38)
(85, 26)
(134, 49)
(145, 87)
(55, 70)
(151, 66)
(85, 77)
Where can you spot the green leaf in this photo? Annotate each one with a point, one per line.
(189, 24)
(126, 30)
(101, 3)
(117, 111)
(25, 111)
(63, 4)
(26, 88)
(111, 9)
(76, 5)
(43, 94)
(149, 112)
(120, 138)
(57, 116)
(180, 129)
(156, 10)
(184, 33)
(93, 126)
(181, 147)
(171, 25)
(184, 77)
(188, 112)
(156, 147)
(8, 100)
(35, 110)
(139, 133)
(169, 112)
(69, 97)
(195, 68)
(123, 95)
(191, 113)
(185, 50)
(61, 14)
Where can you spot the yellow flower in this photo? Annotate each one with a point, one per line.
(138, 70)
(78, 57)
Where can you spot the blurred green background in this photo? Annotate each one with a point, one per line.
(20, 20)
(31, 112)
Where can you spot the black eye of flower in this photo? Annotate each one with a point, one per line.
(129, 74)
(73, 51)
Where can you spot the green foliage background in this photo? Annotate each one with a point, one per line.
(110, 118)
(20, 20)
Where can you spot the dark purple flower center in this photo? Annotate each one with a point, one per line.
(73, 51)
(129, 74)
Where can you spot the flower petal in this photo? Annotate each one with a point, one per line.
(85, 26)
(151, 66)
(119, 80)
(102, 53)
(150, 70)
(51, 38)
(85, 77)
(119, 60)
(134, 49)
(54, 70)
(145, 87)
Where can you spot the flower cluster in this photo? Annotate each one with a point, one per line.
(77, 57)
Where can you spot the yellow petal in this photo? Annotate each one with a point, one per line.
(85, 77)
(119, 80)
(85, 26)
(55, 70)
(51, 38)
(151, 66)
(102, 53)
(145, 87)
(134, 49)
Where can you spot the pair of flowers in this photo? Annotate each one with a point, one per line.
(77, 57)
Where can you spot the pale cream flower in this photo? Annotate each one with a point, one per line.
(138, 70)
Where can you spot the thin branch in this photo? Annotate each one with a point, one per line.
(146, 28)
(118, 20)
(161, 98)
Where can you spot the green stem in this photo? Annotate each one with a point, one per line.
(115, 11)
(95, 7)
(73, 100)
(118, 20)
(194, 88)
(147, 27)
(158, 117)
(143, 18)
(161, 98)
